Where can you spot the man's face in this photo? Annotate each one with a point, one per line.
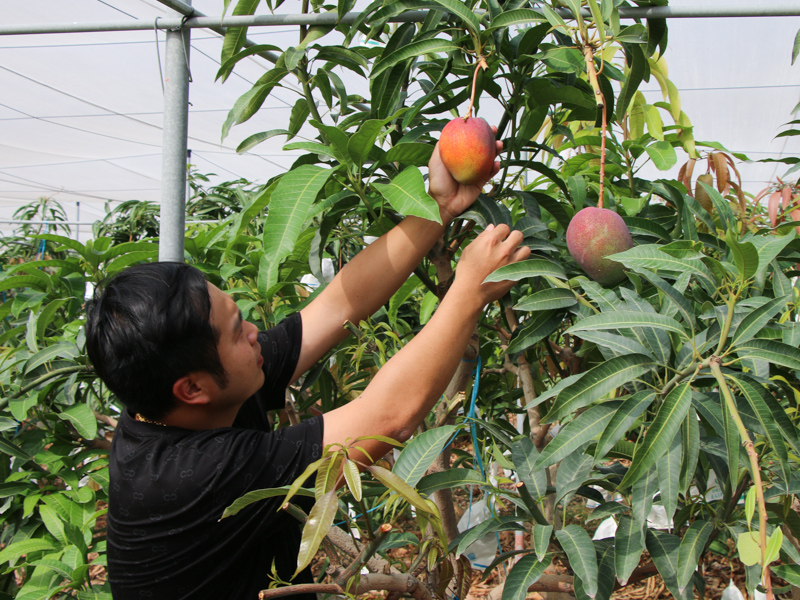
(238, 348)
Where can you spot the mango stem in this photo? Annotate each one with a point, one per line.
(481, 64)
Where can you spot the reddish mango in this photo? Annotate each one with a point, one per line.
(467, 147)
(593, 234)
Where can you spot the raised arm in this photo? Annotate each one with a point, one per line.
(370, 279)
(406, 388)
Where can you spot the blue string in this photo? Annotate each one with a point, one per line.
(474, 432)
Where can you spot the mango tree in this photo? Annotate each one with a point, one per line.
(676, 385)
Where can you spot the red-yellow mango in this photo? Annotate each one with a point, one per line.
(594, 233)
(467, 147)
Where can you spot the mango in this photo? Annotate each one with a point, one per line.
(594, 233)
(467, 147)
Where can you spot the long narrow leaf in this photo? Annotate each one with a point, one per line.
(525, 572)
(690, 550)
(757, 320)
(316, 528)
(598, 382)
(534, 267)
(771, 351)
(576, 433)
(288, 209)
(627, 319)
(434, 46)
(581, 554)
(419, 454)
(629, 544)
(661, 433)
(631, 409)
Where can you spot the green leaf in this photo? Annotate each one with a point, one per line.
(300, 112)
(413, 49)
(581, 554)
(745, 255)
(663, 549)
(663, 155)
(771, 351)
(363, 140)
(406, 193)
(517, 16)
(549, 299)
(316, 528)
(690, 550)
(750, 504)
(631, 409)
(449, 479)
(541, 535)
(627, 319)
(83, 419)
(289, 206)
(24, 281)
(749, 546)
(47, 315)
(66, 350)
(14, 550)
(7, 447)
(629, 544)
(533, 267)
(469, 19)
(690, 436)
(400, 487)
(555, 19)
(660, 434)
(584, 428)
(754, 322)
(409, 153)
(235, 37)
(596, 383)
(789, 573)
(257, 495)
(417, 457)
(227, 66)
(485, 527)
(353, 479)
(618, 344)
(651, 257)
(668, 470)
(524, 455)
(533, 330)
(777, 426)
(314, 147)
(677, 299)
(525, 572)
(338, 139)
(248, 103)
(638, 67)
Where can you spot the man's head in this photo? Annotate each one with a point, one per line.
(148, 327)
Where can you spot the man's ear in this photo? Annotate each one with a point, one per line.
(193, 388)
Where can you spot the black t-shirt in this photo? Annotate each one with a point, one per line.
(169, 487)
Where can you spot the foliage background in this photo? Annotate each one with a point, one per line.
(627, 372)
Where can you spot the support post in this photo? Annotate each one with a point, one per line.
(174, 148)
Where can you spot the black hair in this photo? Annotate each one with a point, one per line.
(147, 327)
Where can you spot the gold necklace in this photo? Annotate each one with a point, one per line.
(143, 419)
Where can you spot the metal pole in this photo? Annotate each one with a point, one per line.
(174, 146)
(215, 23)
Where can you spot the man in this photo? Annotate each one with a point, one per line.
(197, 381)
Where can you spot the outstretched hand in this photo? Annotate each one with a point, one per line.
(453, 197)
(495, 247)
